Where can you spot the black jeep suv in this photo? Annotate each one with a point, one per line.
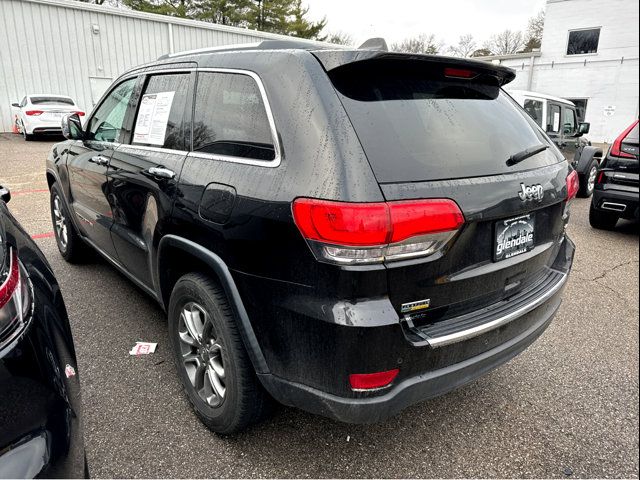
(616, 190)
(346, 231)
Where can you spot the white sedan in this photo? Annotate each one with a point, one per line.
(42, 113)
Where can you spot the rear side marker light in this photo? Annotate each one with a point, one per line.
(372, 381)
(616, 148)
(365, 233)
(573, 185)
(34, 113)
(600, 178)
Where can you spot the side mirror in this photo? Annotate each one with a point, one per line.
(5, 194)
(72, 127)
(583, 128)
(15, 105)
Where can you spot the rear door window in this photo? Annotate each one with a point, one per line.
(162, 119)
(230, 117)
(415, 123)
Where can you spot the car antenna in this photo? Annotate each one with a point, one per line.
(377, 43)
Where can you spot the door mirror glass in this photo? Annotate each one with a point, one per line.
(5, 194)
(72, 127)
(584, 127)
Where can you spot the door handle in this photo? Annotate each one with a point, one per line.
(99, 160)
(160, 172)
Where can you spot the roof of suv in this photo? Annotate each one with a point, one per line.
(335, 56)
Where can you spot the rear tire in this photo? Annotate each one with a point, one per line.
(212, 363)
(602, 220)
(27, 136)
(71, 246)
(588, 179)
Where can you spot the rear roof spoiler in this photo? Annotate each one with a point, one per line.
(332, 59)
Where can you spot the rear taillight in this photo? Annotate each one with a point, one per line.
(372, 381)
(34, 113)
(79, 113)
(616, 148)
(573, 185)
(15, 299)
(364, 233)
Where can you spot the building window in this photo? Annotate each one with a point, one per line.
(581, 107)
(583, 41)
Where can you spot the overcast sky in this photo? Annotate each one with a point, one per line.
(448, 19)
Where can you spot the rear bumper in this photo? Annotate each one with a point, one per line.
(425, 371)
(412, 390)
(624, 203)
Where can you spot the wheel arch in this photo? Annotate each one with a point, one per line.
(586, 155)
(178, 256)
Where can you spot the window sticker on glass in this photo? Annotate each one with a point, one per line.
(153, 116)
(556, 121)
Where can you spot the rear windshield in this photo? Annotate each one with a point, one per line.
(632, 136)
(50, 100)
(416, 124)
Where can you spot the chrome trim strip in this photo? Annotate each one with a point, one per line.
(613, 206)
(145, 148)
(437, 342)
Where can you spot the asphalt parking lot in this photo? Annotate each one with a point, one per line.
(566, 407)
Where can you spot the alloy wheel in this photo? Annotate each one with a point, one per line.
(202, 354)
(60, 222)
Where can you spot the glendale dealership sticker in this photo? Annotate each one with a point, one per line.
(514, 237)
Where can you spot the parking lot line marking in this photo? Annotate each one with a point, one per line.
(26, 192)
(42, 235)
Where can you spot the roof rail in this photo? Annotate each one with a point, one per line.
(263, 45)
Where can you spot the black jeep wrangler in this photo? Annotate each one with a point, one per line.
(345, 231)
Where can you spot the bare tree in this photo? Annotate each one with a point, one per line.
(535, 28)
(421, 44)
(340, 38)
(505, 43)
(465, 47)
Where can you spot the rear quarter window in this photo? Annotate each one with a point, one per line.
(230, 117)
(415, 124)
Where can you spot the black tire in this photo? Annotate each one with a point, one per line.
(27, 137)
(244, 401)
(73, 249)
(586, 186)
(602, 220)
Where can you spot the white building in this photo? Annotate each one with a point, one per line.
(77, 49)
(589, 54)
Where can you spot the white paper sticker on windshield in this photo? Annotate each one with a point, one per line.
(556, 121)
(153, 116)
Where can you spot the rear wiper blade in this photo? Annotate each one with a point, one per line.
(524, 154)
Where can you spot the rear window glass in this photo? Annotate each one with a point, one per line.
(50, 100)
(632, 136)
(415, 124)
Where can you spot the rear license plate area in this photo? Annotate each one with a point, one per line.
(514, 237)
